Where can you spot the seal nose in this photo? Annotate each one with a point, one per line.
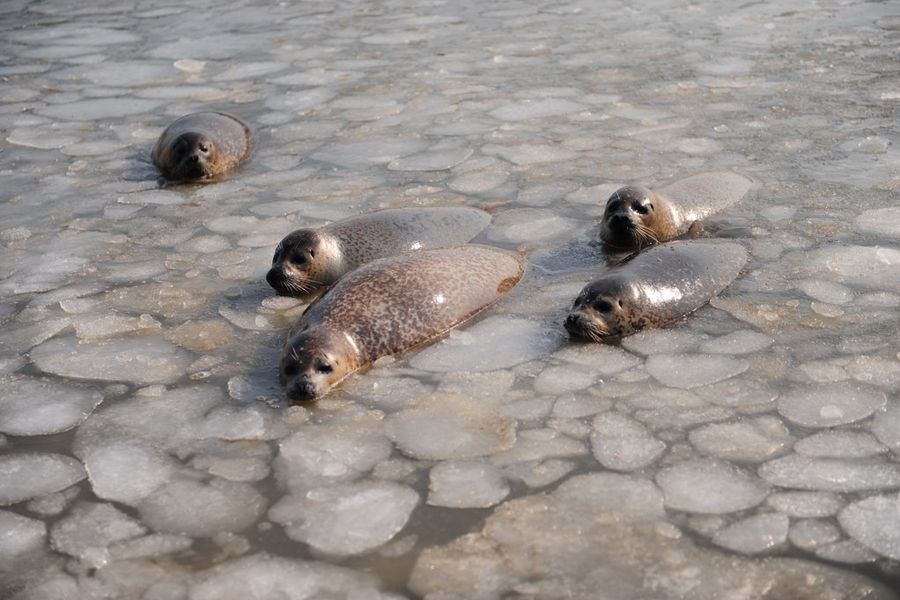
(194, 158)
(302, 389)
(620, 221)
(275, 276)
(571, 323)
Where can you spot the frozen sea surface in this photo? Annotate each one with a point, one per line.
(146, 450)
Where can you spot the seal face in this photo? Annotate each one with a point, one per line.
(202, 147)
(315, 360)
(603, 309)
(389, 306)
(653, 288)
(636, 217)
(305, 263)
(308, 261)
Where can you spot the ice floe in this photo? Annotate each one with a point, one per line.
(828, 474)
(466, 484)
(829, 405)
(346, 519)
(494, 343)
(31, 406)
(805, 504)
(881, 221)
(142, 360)
(875, 523)
(90, 528)
(710, 487)
(29, 475)
(262, 576)
(319, 454)
(688, 371)
(809, 534)
(754, 534)
(622, 444)
(750, 440)
(21, 536)
(447, 426)
(202, 509)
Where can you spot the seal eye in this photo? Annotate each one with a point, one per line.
(640, 208)
(298, 259)
(323, 367)
(602, 306)
(291, 370)
(203, 148)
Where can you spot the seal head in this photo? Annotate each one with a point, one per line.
(191, 157)
(315, 360)
(306, 262)
(604, 309)
(635, 218)
(202, 147)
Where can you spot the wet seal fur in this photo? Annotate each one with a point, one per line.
(308, 261)
(389, 306)
(202, 147)
(636, 217)
(653, 288)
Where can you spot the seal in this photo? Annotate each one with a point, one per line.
(308, 261)
(389, 306)
(201, 147)
(655, 287)
(636, 217)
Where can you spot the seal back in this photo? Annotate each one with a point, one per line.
(700, 196)
(389, 306)
(309, 260)
(393, 304)
(656, 287)
(398, 230)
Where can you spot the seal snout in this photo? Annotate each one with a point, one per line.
(276, 277)
(572, 323)
(582, 323)
(302, 389)
(576, 325)
(620, 221)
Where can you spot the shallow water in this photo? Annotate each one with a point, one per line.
(146, 448)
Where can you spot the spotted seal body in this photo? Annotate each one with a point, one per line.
(387, 307)
(636, 217)
(653, 288)
(202, 147)
(308, 261)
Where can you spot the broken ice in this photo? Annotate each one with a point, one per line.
(148, 452)
(29, 475)
(39, 407)
(346, 519)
